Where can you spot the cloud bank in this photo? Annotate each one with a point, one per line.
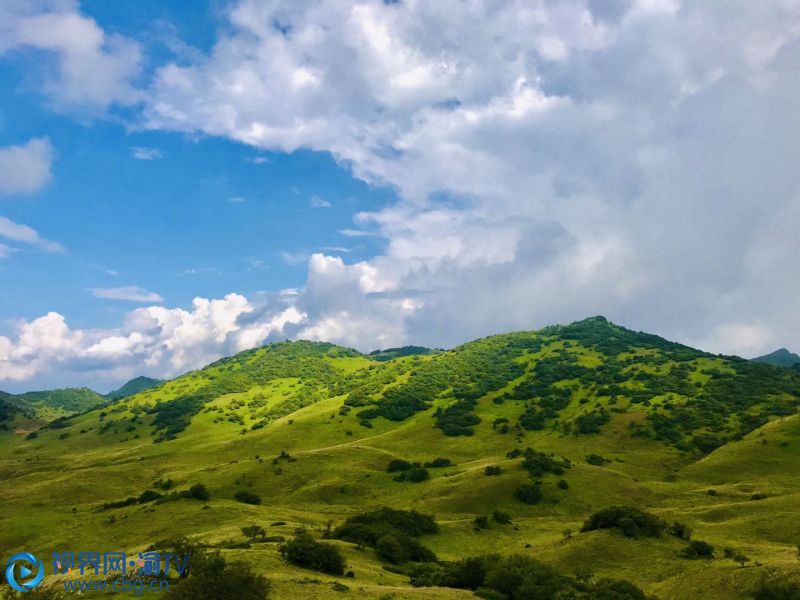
(552, 161)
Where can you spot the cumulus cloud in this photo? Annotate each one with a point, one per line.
(130, 293)
(27, 235)
(553, 160)
(91, 69)
(25, 169)
(155, 340)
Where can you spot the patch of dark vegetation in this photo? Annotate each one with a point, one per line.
(698, 549)
(596, 460)
(196, 492)
(247, 497)
(209, 575)
(591, 422)
(438, 463)
(501, 517)
(304, 551)
(529, 493)
(391, 532)
(771, 588)
(518, 578)
(413, 475)
(631, 521)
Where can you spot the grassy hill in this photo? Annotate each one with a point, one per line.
(51, 404)
(542, 429)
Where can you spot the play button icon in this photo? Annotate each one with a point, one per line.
(28, 568)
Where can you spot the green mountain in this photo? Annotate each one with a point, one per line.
(138, 384)
(779, 358)
(578, 454)
(49, 404)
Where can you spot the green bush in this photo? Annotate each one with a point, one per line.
(698, 549)
(414, 475)
(518, 578)
(305, 551)
(247, 498)
(632, 521)
(199, 492)
(528, 493)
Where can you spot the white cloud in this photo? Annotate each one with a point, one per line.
(319, 202)
(572, 158)
(236, 199)
(140, 153)
(257, 160)
(156, 340)
(5, 251)
(27, 235)
(130, 293)
(91, 69)
(552, 160)
(25, 169)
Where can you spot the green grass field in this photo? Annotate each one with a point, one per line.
(53, 485)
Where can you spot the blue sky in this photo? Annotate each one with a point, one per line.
(181, 181)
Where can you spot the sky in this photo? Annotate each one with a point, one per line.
(182, 181)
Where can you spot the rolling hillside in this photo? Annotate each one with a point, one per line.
(511, 442)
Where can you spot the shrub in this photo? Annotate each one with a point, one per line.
(632, 521)
(399, 464)
(776, 589)
(481, 522)
(247, 498)
(148, 496)
(438, 463)
(305, 551)
(698, 549)
(254, 532)
(414, 475)
(493, 470)
(518, 578)
(563, 484)
(529, 493)
(398, 548)
(398, 527)
(596, 460)
(199, 492)
(213, 577)
(680, 530)
(501, 517)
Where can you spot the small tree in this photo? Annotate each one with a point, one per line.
(199, 492)
(529, 493)
(254, 532)
(567, 533)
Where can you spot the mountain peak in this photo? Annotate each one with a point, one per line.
(780, 358)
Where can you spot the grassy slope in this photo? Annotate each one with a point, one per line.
(339, 470)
